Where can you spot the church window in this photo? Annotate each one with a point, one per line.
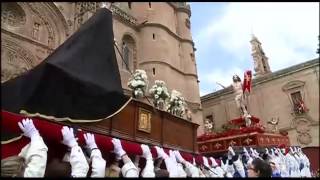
(153, 36)
(125, 52)
(149, 4)
(154, 71)
(298, 104)
(129, 4)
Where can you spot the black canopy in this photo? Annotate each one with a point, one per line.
(79, 81)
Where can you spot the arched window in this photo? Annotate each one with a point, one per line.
(129, 5)
(129, 53)
(125, 52)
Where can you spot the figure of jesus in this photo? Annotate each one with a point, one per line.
(237, 87)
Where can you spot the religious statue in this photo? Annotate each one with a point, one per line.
(138, 83)
(208, 126)
(241, 95)
(274, 122)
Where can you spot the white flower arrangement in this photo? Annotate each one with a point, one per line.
(159, 93)
(138, 83)
(177, 104)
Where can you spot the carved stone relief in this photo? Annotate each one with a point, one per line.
(303, 126)
(12, 14)
(14, 60)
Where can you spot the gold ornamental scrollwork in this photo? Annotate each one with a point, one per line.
(144, 120)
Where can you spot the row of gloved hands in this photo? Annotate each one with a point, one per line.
(69, 139)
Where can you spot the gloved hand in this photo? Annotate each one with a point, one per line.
(179, 158)
(194, 161)
(267, 151)
(214, 162)
(68, 137)
(117, 148)
(256, 153)
(291, 150)
(231, 151)
(224, 166)
(246, 152)
(28, 128)
(205, 161)
(161, 153)
(172, 156)
(146, 153)
(90, 141)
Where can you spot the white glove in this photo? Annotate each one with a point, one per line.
(224, 166)
(146, 153)
(291, 150)
(267, 151)
(161, 153)
(231, 151)
(68, 137)
(117, 148)
(205, 161)
(28, 128)
(90, 141)
(246, 152)
(214, 162)
(194, 161)
(256, 153)
(180, 159)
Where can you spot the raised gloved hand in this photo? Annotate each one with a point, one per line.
(246, 152)
(194, 161)
(291, 150)
(231, 151)
(214, 162)
(68, 137)
(90, 141)
(267, 151)
(256, 153)
(146, 153)
(224, 166)
(28, 128)
(117, 148)
(161, 153)
(205, 161)
(178, 156)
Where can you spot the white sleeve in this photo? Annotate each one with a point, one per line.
(239, 167)
(148, 170)
(129, 170)
(191, 170)
(35, 155)
(181, 171)
(79, 164)
(220, 171)
(98, 164)
(172, 168)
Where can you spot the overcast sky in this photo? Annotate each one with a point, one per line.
(288, 33)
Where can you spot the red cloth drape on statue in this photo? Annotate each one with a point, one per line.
(51, 133)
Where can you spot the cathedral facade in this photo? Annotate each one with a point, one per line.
(152, 36)
(285, 101)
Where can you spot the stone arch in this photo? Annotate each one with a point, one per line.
(53, 21)
(129, 51)
(15, 60)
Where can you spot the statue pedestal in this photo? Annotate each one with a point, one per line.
(254, 136)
